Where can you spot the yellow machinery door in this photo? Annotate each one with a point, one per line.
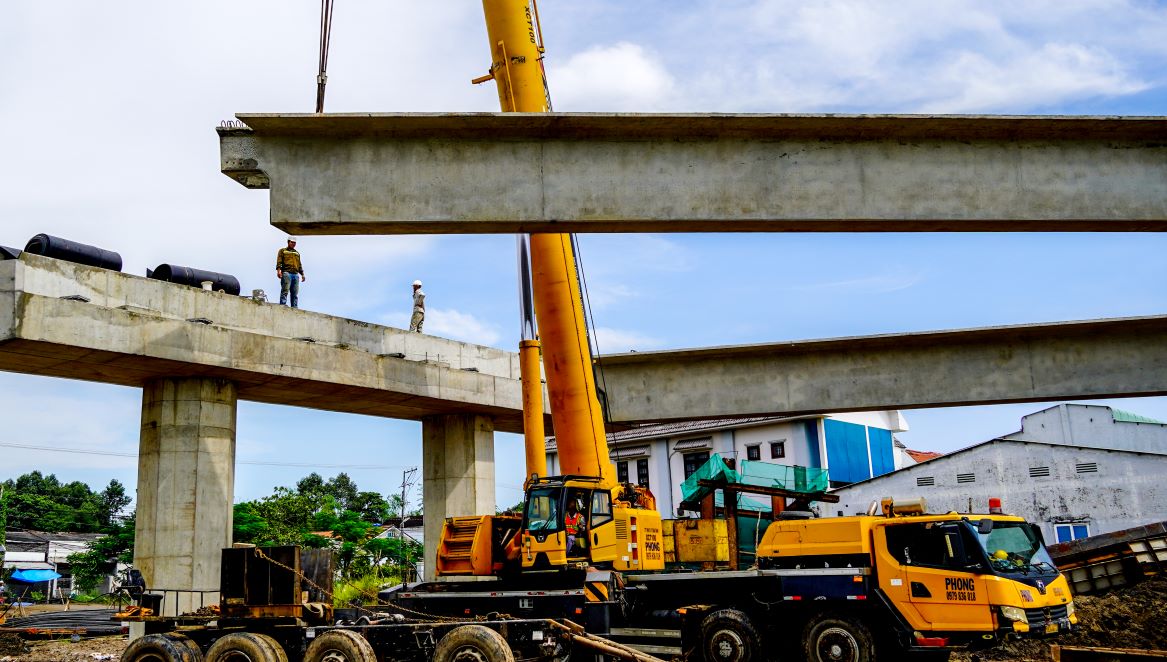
(943, 576)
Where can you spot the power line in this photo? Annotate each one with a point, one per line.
(305, 465)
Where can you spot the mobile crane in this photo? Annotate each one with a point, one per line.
(857, 589)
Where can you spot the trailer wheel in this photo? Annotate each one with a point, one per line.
(473, 643)
(728, 635)
(162, 648)
(837, 639)
(340, 646)
(246, 647)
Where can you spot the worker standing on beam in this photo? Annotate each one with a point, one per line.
(290, 272)
(418, 317)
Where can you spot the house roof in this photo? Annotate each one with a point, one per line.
(1121, 416)
(998, 440)
(679, 428)
(923, 456)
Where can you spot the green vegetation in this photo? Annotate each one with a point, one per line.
(336, 514)
(42, 503)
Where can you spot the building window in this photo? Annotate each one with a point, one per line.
(642, 472)
(754, 453)
(693, 462)
(622, 472)
(1072, 531)
(778, 449)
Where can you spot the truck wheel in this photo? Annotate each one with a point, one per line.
(473, 643)
(162, 648)
(728, 635)
(837, 639)
(340, 646)
(246, 647)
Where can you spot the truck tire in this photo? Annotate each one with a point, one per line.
(832, 638)
(728, 635)
(473, 643)
(246, 647)
(162, 648)
(340, 646)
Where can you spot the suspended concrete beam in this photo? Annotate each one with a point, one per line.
(557, 172)
(1027, 363)
(62, 319)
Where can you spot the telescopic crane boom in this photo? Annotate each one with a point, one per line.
(619, 526)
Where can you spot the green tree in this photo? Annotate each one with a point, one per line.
(113, 501)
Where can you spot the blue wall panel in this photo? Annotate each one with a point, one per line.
(812, 444)
(846, 451)
(882, 451)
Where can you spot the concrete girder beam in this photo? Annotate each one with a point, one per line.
(127, 330)
(1122, 357)
(575, 172)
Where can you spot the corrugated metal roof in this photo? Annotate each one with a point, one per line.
(1121, 416)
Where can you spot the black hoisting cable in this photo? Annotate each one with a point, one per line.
(325, 39)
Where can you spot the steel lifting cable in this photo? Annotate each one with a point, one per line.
(325, 40)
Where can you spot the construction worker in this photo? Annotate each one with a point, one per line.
(290, 272)
(418, 318)
(572, 525)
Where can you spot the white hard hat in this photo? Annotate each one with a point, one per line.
(417, 283)
(291, 238)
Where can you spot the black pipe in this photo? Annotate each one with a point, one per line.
(72, 251)
(173, 273)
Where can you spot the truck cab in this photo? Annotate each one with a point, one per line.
(948, 580)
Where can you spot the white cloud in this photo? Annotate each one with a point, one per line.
(871, 284)
(620, 77)
(449, 323)
(612, 341)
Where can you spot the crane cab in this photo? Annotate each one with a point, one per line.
(575, 521)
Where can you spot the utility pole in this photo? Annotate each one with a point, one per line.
(406, 483)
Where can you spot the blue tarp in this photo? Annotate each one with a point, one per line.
(34, 576)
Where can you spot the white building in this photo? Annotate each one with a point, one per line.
(1077, 470)
(852, 447)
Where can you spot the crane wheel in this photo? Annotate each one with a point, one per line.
(167, 647)
(832, 638)
(728, 635)
(473, 643)
(246, 647)
(340, 646)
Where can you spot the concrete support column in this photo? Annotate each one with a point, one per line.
(458, 473)
(186, 483)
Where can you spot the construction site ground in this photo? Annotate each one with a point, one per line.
(1127, 618)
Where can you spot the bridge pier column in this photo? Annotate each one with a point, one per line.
(186, 482)
(458, 473)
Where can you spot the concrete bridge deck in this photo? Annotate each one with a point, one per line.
(593, 172)
(128, 330)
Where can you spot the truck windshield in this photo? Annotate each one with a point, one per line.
(1015, 547)
(543, 510)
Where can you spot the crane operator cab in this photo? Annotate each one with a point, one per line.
(574, 521)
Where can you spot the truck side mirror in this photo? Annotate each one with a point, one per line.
(985, 527)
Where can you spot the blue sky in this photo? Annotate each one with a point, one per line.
(107, 119)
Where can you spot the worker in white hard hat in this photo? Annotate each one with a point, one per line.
(418, 318)
(290, 271)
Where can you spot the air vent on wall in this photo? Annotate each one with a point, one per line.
(1038, 472)
(1087, 467)
(966, 478)
(925, 481)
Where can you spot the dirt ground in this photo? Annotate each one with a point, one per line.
(86, 650)
(1128, 618)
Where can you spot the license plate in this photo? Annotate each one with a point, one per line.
(1051, 628)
